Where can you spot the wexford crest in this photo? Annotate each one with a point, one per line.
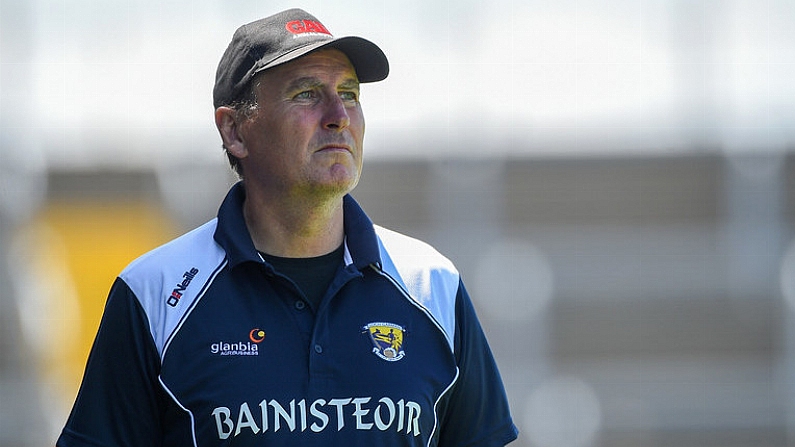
(387, 340)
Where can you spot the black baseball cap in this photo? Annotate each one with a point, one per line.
(283, 37)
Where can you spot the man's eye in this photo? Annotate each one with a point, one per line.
(349, 96)
(309, 94)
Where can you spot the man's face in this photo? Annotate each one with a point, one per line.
(304, 139)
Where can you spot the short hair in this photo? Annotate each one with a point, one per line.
(243, 105)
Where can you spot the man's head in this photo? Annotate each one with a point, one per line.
(303, 138)
(276, 40)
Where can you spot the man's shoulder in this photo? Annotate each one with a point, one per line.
(428, 277)
(192, 257)
(168, 279)
(410, 251)
(197, 243)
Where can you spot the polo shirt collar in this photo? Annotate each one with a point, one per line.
(232, 234)
(360, 237)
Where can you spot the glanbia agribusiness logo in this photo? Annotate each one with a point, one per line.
(246, 347)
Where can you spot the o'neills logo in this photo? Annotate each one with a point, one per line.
(299, 27)
(176, 294)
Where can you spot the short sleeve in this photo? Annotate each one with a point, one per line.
(477, 413)
(119, 399)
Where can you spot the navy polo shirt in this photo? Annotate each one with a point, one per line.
(203, 343)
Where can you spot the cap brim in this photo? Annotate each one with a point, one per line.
(368, 60)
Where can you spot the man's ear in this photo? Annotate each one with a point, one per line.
(229, 128)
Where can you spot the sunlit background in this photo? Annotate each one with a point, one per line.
(614, 178)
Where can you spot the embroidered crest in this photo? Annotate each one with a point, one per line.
(387, 340)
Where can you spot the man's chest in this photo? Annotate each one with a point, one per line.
(254, 363)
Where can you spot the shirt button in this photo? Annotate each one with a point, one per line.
(319, 349)
(300, 305)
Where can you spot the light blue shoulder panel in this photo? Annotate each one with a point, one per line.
(169, 280)
(430, 279)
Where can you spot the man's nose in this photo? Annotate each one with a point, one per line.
(336, 116)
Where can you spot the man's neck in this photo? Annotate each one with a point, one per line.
(294, 228)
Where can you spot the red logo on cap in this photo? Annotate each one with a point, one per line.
(306, 26)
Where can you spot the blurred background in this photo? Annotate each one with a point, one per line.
(614, 178)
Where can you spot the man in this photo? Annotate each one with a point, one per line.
(290, 319)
